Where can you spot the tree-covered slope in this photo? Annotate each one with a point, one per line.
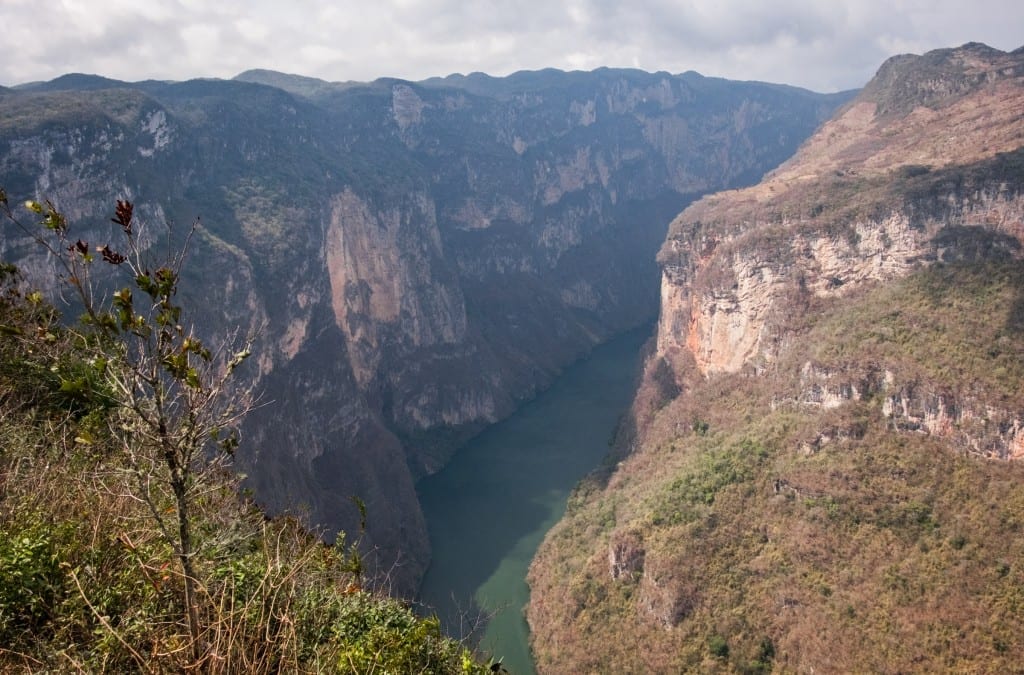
(766, 525)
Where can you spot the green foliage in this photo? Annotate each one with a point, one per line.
(31, 582)
(714, 469)
(766, 651)
(390, 637)
(718, 646)
(956, 326)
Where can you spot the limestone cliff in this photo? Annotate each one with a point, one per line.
(821, 464)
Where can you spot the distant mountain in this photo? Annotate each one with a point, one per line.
(825, 472)
(418, 258)
(299, 85)
(74, 82)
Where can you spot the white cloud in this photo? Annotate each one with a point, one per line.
(821, 45)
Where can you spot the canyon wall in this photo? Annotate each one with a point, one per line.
(875, 195)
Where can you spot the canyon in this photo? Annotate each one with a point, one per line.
(415, 258)
(818, 472)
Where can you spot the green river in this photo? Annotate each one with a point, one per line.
(489, 508)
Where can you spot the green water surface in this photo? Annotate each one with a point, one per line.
(489, 508)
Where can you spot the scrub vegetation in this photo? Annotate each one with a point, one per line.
(126, 544)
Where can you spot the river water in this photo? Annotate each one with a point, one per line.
(489, 508)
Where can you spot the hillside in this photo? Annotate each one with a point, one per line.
(823, 475)
(416, 259)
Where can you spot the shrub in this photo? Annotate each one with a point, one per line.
(718, 646)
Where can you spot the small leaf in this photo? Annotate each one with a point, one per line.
(145, 283)
(237, 359)
(111, 257)
(54, 219)
(229, 443)
(123, 215)
(123, 297)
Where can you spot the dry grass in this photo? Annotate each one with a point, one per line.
(853, 160)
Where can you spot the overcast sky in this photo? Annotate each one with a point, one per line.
(825, 45)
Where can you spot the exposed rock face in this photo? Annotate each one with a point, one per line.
(419, 257)
(719, 302)
(971, 425)
(380, 286)
(874, 194)
(737, 265)
(664, 599)
(626, 556)
(967, 423)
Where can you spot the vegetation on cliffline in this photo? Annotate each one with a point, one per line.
(760, 531)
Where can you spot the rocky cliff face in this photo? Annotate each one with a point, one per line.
(418, 257)
(828, 408)
(879, 192)
(718, 302)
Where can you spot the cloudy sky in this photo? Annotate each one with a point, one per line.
(824, 45)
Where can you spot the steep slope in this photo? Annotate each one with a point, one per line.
(417, 258)
(819, 479)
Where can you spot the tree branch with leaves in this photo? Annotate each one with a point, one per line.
(177, 407)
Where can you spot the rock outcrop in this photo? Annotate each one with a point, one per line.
(877, 193)
(967, 422)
